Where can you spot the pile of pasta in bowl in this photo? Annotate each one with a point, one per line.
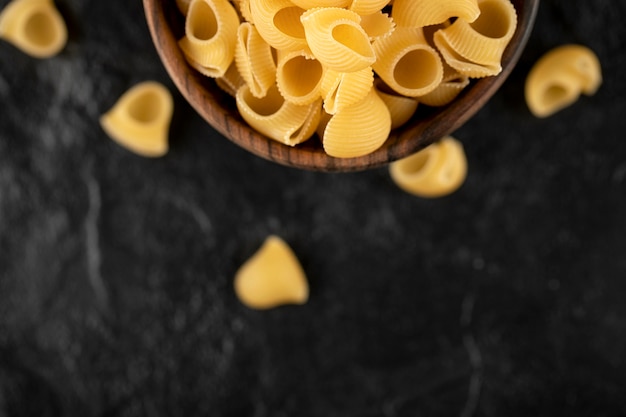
(349, 71)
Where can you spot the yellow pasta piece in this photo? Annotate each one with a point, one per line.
(461, 64)
(278, 22)
(377, 25)
(272, 277)
(359, 129)
(311, 4)
(367, 7)
(406, 63)
(277, 118)
(436, 171)
(299, 77)
(255, 60)
(420, 13)
(34, 26)
(140, 119)
(243, 9)
(343, 89)
(450, 87)
(183, 6)
(337, 39)
(483, 41)
(231, 81)
(400, 108)
(558, 78)
(210, 36)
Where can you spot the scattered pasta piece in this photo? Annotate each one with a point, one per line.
(140, 119)
(272, 277)
(559, 77)
(438, 170)
(34, 26)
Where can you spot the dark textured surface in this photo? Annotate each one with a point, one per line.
(504, 299)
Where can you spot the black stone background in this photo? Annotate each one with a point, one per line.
(503, 299)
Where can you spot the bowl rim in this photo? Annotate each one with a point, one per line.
(217, 108)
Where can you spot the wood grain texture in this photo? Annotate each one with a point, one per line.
(166, 26)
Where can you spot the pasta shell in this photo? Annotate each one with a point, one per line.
(140, 119)
(377, 25)
(337, 39)
(367, 7)
(483, 41)
(435, 171)
(277, 118)
(210, 35)
(254, 60)
(34, 26)
(299, 77)
(278, 22)
(343, 89)
(401, 108)
(359, 129)
(272, 277)
(558, 78)
(461, 64)
(406, 63)
(420, 13)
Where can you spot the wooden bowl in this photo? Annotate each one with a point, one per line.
(428, 125)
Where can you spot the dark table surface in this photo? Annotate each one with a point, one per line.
(503, 299)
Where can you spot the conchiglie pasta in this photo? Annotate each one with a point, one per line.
(254, 60)
(210, 36)
(463, 65)
(311, 4)
(377, 25)
(278, 22)
(367, 7)
(359, 129)
(273, 276)
(559, 77)
(406, 63)
(436, 171)
(483, 41)
(420, 13)
(299, 77)
(277, 118)
(343, 89)
(140, 119)
(34, 26)
(337, 39)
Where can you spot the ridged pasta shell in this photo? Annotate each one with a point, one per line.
(420, 13)
(272, 277)
(343, 89)
(401, 108)
(299, 77)
(254, 60)
(377, 25)
(210, 35)
(483, 41)
(34, 26)
(231, 81)
(435, 171)
(337, 39)
(359, 129)
(277, 118)
(278, 22)
(558, 78)
(406, 63)
(140, 119)
(367, 7)
(461, 64)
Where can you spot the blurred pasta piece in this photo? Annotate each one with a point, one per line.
(34, 26)
(272, 277)
(559, 77)
(140, 119)
(436, 171)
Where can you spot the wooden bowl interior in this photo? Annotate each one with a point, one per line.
(166, 26)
